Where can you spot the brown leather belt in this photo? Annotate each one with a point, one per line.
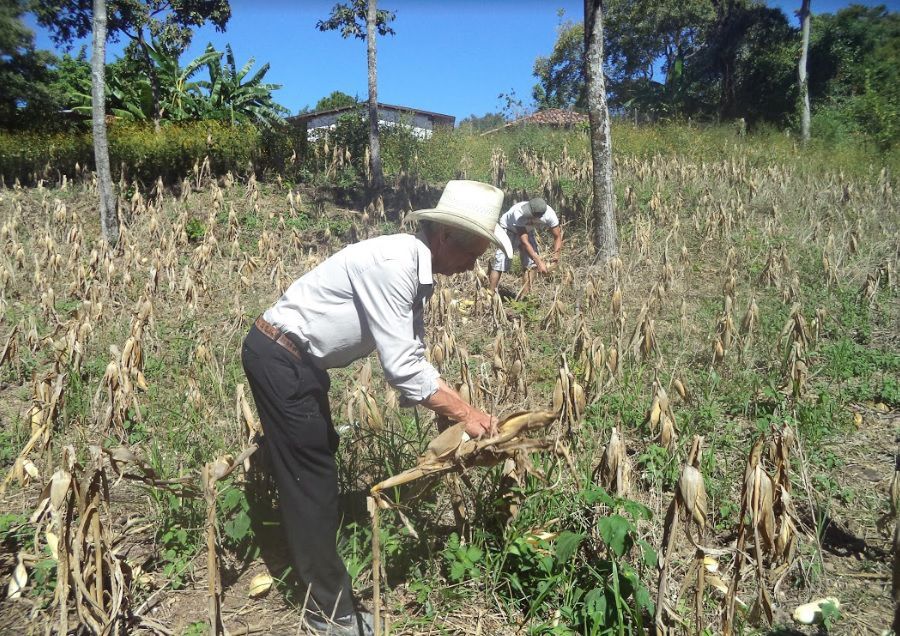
(278, 336)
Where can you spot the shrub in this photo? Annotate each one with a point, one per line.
(136, 152)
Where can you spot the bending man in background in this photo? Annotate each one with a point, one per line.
(519, 222)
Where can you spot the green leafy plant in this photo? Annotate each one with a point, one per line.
(464, 561)
(237, 526)
(178, 537)
(831, 613)
(195, 229)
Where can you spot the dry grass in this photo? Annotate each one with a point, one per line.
(136, 350)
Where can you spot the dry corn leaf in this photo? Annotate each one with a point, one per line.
(693, 494)
(18, 580)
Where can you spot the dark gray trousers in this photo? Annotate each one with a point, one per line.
(292, 401)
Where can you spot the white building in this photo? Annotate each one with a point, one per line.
(420, 123)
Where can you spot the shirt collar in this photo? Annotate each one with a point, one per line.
(424, 260)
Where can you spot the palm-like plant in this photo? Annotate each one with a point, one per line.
(232, 98)
(182, 98)
(128, 100)
(228, 95)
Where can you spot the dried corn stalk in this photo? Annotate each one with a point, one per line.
(661, 419)
(46, 403)
(593, 362)
(90, 576)
(643, 340)
(757, 504)
(795, 331)
(556, 314)
(497, 311)
(749, 323)
(453, 452)
(614, 469)
(568, 396)
(689, 501)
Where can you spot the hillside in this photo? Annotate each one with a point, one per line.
(755, 294)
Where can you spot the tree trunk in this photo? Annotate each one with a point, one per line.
(723, 46)
(109, 220)
(606, 238)
(801, 71)
(374, 144)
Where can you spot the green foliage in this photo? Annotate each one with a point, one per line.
(854, 76)
(595, 588)
(16, 532)
(235, 512)
(139, 151)
(336, 99)
(831, 613)
(195, 230)
(43, 577)
(198, 628)
(736, 59)
(233, 97)
(659, 467)
(350, 20)
(562, 82)
(172, 21)
(178, 535)
(71, 79)
(463, 560)
(861, 372)
(638, 34)
(488, 121)
(25, 95)
(356, 548)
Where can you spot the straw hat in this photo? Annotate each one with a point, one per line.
(471, 206)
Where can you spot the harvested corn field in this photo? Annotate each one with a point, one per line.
(708, 439)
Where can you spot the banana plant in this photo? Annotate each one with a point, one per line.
(183, 99)
(129, 101)
(237, 100)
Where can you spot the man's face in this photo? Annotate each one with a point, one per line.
(451, 257)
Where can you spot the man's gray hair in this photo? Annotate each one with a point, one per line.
(461, 237)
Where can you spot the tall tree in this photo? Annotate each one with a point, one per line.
(561, 75)
(854, 73)
(801, 72)
(362, 19)
(109, 216)
(168, 22)
(25, 97)
(643, 37)
(606, 238)
(337, 99)
(374, 141)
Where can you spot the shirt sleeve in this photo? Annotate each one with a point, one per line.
(550, 218)
(386, 296)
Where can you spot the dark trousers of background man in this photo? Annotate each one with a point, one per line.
(292, 401)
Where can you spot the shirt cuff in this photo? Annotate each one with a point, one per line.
(420, 387)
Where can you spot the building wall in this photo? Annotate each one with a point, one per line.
(419, 125)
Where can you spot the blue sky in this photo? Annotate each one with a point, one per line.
(453, 57)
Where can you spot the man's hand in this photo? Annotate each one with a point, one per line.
(448, 405)
(481, 424)
(541, 266)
